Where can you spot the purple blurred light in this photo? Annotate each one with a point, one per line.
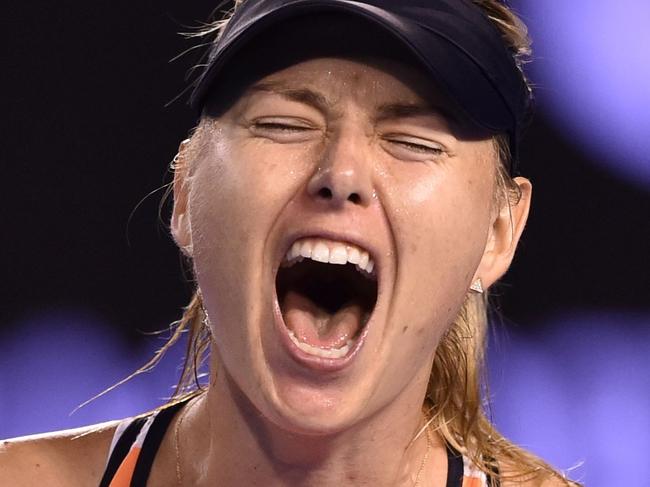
(50, 364)
(578, 392)
(592, 71)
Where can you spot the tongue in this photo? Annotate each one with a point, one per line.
(315, 326)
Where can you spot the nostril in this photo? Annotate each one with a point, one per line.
(325, 193)
(355, 198)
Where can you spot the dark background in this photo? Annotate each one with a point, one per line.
(89, 129)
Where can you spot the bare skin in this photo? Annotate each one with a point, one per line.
(71, 458)
(403, 183)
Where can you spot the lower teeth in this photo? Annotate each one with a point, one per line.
(321, 352)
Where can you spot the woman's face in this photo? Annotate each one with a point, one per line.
(351, 156)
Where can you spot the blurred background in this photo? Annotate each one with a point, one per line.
(90, 125)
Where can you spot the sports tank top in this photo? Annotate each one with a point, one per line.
(136, 442)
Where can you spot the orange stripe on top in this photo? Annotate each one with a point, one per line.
(471, 482)
(125, 471)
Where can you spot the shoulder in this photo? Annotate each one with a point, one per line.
(64, 458)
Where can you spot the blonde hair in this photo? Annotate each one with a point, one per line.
(455, 398)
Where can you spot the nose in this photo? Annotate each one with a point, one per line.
(344, 175)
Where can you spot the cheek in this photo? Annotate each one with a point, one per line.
(442, 216)
(239, 188)
(441, 221)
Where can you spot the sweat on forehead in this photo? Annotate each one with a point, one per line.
(328, 84)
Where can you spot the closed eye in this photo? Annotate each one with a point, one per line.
(415, 145)
(283, 130)
(280, 127)
(425, 149)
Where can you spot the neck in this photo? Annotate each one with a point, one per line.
(231, 443)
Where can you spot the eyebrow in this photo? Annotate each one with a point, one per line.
(406, 110)
(301, 95)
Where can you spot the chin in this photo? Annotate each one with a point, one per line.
(302, 409)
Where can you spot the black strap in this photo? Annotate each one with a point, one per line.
(455, 468)
(151, 444)
(121, 450)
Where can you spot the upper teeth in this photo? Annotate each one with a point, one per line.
(329, 251)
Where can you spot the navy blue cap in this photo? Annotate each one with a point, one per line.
(453, 39)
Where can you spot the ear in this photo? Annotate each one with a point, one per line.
(180, 224)
(505, 231)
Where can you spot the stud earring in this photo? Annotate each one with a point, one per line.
(188, 251)
(477, 286)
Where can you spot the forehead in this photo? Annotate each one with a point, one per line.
(337, 77)
(376, 89)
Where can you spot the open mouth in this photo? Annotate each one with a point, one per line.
(327, 292)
